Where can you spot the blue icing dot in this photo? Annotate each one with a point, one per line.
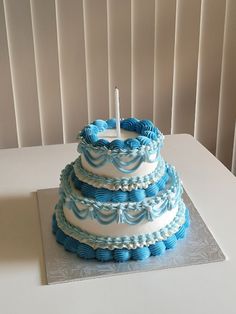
(111, 123)
(150, 135)
(71, 244)
(144, 140)
(104, 255)
(117, 144)
(180, 233)
(103, 195)
(170, 242)
(121, 255)
(60, 236)
(132, 143)
(119, 196)
(141, 253)
(101, 124)
(85, 251)
(88, 190)
(102, 142)
(157, 248)
(129, 124)
(152, 190)
(137, 195)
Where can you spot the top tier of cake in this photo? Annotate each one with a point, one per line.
(135, 153)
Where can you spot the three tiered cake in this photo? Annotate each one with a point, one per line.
(119, 200)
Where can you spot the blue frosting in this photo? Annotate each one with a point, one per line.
(170, 243)
(102, 143)
(104, 255)
(144, 140)
(157, 248)
(60, 236)
(91, 138)
(85, 251)
(119, 255)
(100, 124)
(119, 196)
(103, 195)
(141, 253)
(71, 244)
(132, 143)
(152, 190)
(117, 144)
(137, 195)
(111, 123)
(129, 124)
(143, 124)
(180, 233)
(88, 190)
(150, 135)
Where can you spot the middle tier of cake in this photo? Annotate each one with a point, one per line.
(120, 213)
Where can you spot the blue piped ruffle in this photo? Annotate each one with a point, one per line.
(103, 195)
(119, 196)
(88, 190)
(129, 124)
(102, 143)
(117, 144)
(170, 243)
(152, 190)
(71, 244)
(100, 124)
(91, 138)
(104, 255)
(141, 253)
(137, 195)
(85, 251)
(150, 135)
(157, 248)
(144, 140)
(143, 124)
(60, 236)
(111, 123)
(132, 143)
(119, 255)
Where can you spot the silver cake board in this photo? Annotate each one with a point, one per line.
(198, 247)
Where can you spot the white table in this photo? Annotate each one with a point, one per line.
(200, 289)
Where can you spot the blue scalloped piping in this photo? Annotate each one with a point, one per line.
(118, 255)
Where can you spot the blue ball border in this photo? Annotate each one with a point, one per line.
(118, 255)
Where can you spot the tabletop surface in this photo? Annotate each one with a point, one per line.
(207, 288)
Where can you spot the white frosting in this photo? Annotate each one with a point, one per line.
(111, 135)
(115, 229)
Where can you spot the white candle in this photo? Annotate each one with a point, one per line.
(117, 107)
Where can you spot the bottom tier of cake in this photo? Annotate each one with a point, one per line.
(118, 255)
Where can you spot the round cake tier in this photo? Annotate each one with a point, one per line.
(135, 153)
